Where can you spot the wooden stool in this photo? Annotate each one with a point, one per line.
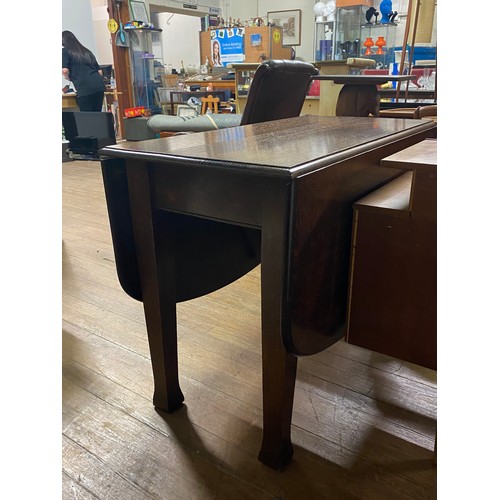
(211, 102)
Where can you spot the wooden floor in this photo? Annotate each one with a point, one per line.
(363, 423)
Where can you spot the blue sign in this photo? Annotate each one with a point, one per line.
(227, 46)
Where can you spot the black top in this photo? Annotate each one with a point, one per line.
(85, 77)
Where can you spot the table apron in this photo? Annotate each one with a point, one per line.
(224, 196)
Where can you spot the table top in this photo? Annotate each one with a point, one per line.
(107, 92)
(365, 79)
(420, 155)
(281, 148)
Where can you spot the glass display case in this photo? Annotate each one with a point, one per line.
(351, 35)
(383, 37)
(348, 41)
(324, 39)
(146, 67)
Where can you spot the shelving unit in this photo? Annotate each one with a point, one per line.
(243, 76)
(146, 67)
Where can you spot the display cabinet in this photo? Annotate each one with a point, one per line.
(146, 66)
(346, 36)
(324, 40)
(348, 41)
(383, 37)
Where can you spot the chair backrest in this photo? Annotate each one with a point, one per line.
(210, 102)
(278, 90)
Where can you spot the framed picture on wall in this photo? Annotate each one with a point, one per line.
(138, 11)
(290, 21)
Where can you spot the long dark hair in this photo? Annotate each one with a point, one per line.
(79, 53)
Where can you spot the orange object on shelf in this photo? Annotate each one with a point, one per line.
(369, 43)
(380, 43)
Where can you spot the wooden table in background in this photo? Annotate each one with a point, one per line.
(69, 101)
(192, 213)
(360, 95)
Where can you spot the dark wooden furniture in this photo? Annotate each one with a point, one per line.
(429, 112)
(413, 93)
(360, 95)
(191, 213)
(392, 307)
(417, 111)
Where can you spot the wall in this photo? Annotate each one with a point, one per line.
(305, 49)
(179, 38)
(104, 50)
(77, 18)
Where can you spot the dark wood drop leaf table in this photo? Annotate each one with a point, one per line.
(192, 213)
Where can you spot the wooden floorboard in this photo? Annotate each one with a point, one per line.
(363, 425)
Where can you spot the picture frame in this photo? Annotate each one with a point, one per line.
(138, 11)
(290, 21)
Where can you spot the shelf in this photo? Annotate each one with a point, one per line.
(157, 30)
(379, 25)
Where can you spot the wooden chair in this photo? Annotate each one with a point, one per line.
(209, 102)
(429, 111)
(426, 111)
(397, 113)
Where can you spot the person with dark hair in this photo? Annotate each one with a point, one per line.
(80, 66)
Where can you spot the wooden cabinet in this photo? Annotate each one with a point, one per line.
(311, 106)
(393, 299)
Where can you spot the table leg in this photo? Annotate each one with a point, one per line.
(278, 384)
(156, 268)
(358, 100)
(278, 366)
